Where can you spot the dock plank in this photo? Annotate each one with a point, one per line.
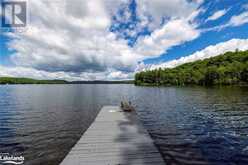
(114, 138)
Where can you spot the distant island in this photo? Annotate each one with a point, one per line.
(14, 80)
(230, 68)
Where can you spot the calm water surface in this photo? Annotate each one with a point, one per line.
(190, 125)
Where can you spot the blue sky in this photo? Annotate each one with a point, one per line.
(114, 39)
(206, 39)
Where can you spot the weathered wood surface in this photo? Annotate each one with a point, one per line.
(114, 138)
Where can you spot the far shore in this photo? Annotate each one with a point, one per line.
(16, 81)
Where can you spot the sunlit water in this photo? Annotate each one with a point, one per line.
(190, 125)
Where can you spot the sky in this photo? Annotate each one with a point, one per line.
(114, 39)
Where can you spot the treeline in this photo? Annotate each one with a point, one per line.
(227, 69)
(12, 80)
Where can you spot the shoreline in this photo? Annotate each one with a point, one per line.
(193, 85)
(23, 81)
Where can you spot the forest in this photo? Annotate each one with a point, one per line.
(230, 68)
(13, 80)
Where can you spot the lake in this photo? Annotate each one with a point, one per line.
(190, 125)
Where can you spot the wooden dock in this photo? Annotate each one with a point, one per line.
(114, 138)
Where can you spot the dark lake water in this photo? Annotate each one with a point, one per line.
(190, 125)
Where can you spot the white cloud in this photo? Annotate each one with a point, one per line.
(71, 38)
(199, 1)
(33, 73)
(175, 32)
(236, 20)
(239, 19)
(15, 71)
(74, 37)
(210, 51)
(120, 75)
(217, 15)
(157, 9)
